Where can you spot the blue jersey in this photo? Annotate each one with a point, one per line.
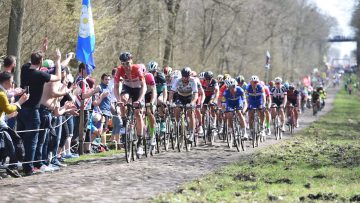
(234, 101)
(255, 97)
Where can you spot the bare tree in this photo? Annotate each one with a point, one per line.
(173, 7)
(14, 43)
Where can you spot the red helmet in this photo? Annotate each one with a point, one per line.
(167, 70)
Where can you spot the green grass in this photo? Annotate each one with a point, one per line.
(87, 157)
(324, 158)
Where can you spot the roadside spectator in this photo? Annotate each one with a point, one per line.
(115, 111)
(6, 80)
(103, 101)
(9, 63)
(83, 80)
(29, 117)
(9, 66)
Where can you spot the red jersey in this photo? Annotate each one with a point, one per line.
(210, 88)
(133, 78)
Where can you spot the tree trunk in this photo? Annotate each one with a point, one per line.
(15, 34)
(143, 29)
(172, 8)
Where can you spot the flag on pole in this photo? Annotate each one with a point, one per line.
(86, 38)
(267, 61)
(268, 57)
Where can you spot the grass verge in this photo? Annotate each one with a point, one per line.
(321, 163)
(88, 157)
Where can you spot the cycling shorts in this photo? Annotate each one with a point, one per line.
(134, 93)
(292, 102)
(183, 100)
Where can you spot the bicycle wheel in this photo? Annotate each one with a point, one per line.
(206, 129)
(314, 109)
(181, 138)
(236, 135)
(257, 130)
(291, 126)
(184, 135)
(210, 133)
(134, 154)
(128, 144)
(158, 138)
(253, 136)
(147, 147)
(166, 135)
(274, 122)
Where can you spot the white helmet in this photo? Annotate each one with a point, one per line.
(230, 82)
(254, 78)
(152, 66)
(278, 80)
(220, 77)
(201, 75)
(175, 74)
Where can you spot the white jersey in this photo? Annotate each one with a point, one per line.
(278, 93)
(183, 89)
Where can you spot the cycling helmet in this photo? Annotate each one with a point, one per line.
(226, 76)
(240, 79)
(193, 74)
(175, 74)
(291, 87)
(262, 83)
(271, 83)
(152, 66)
(125, 56)
(142, 68)
(278, 80)
(286, 85)
(202, 75)
(208, 75)
(185, 72)
(254, 78)
(167, 70)
(231, 82)
(220, 77)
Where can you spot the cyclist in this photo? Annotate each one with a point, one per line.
(271, 84)
(161, 89)
(293, 98)
(199, 102)
(256, 100)
(279, 98)
(170, 79)
(322, 95)
(220, 80)
(150, 101)
(241, 82)
(267, 109)
(221, 100)
(201, 76)
(235, 101)
(211, 89)
(133, 88)
(187, 94)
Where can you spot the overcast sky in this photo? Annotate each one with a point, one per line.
(342, 11)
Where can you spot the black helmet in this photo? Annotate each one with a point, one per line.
(291, 87)
(185, 72)
(208, 75)
(125, 56)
